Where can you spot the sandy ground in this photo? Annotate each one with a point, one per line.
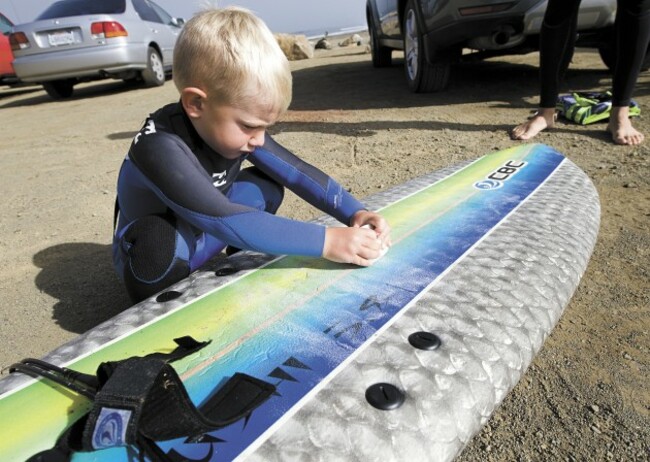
(586, 396)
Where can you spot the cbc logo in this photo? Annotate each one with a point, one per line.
(496, 179)
(486, 185)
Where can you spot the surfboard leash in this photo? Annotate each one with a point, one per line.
(140, 400)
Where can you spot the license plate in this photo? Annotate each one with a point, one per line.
(60, 38)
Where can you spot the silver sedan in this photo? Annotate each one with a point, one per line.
(80, 40)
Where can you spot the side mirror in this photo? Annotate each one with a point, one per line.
(178, 22)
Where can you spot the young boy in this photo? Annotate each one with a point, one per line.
(181, 193)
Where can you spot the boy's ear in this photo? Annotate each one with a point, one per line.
(193, 100)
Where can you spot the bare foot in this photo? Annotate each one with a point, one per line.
(544, 118)
(621, 128)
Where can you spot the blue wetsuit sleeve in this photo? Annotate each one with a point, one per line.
(308, 182)
(163, 165)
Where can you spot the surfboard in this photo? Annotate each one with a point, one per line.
(407, 358)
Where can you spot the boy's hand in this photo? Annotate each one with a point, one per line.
(374, 221)
(362, 243)
(359, 246)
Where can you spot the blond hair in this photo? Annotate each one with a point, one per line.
(232, 55)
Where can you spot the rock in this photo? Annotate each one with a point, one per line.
(354, 39)
(295, 47)
(323, 44)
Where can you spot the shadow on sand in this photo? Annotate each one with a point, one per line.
(89, 294)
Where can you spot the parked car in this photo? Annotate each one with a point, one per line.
(7, 73)
(80, 40)
(433, 34)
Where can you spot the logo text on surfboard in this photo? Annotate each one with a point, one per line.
(496, 179)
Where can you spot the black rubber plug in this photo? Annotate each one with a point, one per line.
(168, 296)
(384, 396)
(226, 270)
(425, 341)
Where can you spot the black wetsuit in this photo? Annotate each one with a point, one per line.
(558, 40)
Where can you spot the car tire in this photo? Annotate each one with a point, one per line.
(59, 89)
(607, 52)
(154, 74)
(608, 55)
(422, 76)
(381, 56)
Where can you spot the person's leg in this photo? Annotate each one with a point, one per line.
(154, 254)
(158, 251)
(556, 47)
(632, 37)
(257, 190)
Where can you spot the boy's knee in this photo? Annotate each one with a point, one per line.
(139, 290)
(266, 194)
(152, 258)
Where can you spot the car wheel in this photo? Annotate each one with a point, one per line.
(59, 89)
(422, 76)
(154, 74)
(381, 56)
(607, 53)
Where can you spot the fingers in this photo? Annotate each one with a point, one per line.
(380, 226)
(358, 246)
(383, 235)
(383, 239)
(370, 251)
(361, 244)
(360, 261)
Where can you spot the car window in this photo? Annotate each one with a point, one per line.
(65, 8)
(5, 25)
(146, 12)
(164, 16)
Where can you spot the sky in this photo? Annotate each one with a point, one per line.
(289, 16)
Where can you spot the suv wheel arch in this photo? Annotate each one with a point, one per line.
(422, 76)
(381, 56)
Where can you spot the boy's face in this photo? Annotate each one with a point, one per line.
(233, 131)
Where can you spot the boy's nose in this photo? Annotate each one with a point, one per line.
(257, 139)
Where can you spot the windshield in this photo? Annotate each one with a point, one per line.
(5, 24)
(65, 8)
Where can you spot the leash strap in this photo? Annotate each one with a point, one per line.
(140, 400)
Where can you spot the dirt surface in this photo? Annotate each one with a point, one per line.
(586, 395)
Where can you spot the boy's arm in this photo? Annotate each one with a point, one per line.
(308, 182)
(167, 168)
